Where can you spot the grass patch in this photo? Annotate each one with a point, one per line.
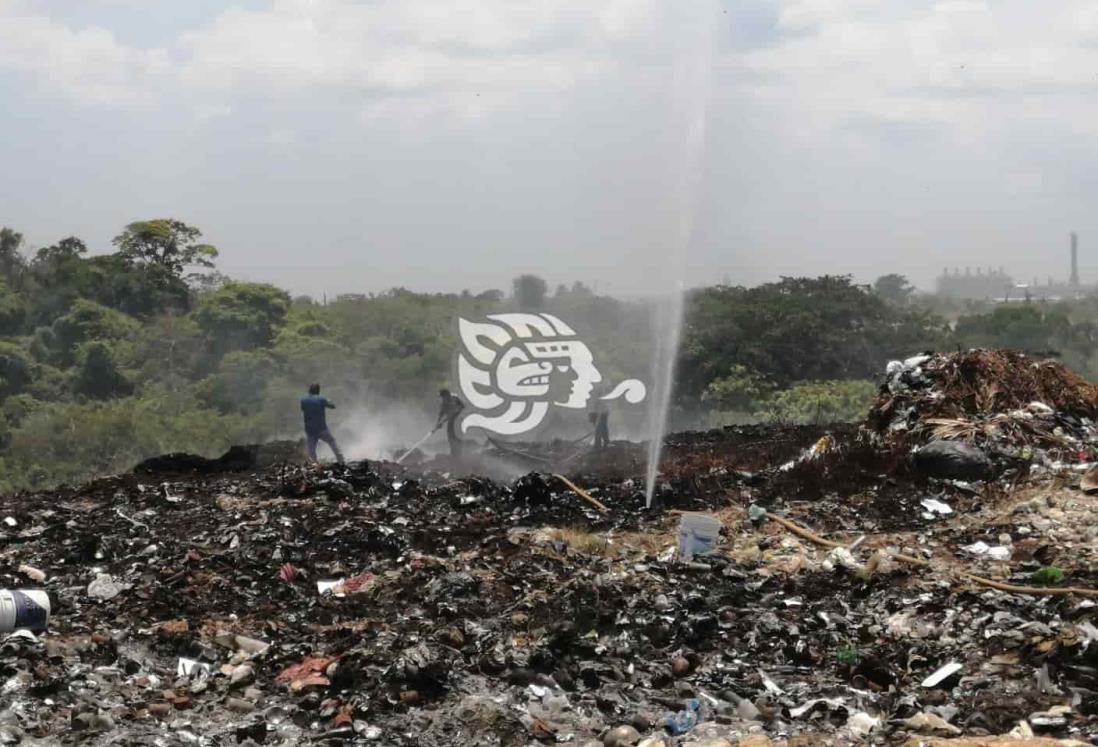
(1049, 574)
(847, 655)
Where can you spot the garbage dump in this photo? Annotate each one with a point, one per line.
(844, 599)
(1003, 404)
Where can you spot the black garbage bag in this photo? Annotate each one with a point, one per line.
(953, 460)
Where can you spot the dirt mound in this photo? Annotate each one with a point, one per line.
(239, 458)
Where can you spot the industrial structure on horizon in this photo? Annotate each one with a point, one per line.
(997, 285)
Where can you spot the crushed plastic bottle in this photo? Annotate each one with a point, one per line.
(684, 720)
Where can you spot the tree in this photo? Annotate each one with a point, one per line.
(795, 330)
(97, 373)
(16, 369)
(742, 390)
(822, 402)
(529, 292)
(242, 316)
(173, 351)
(141, 290)
(12, 262)
(13, 311)
(1022, 327)
(65, 250)
(240, 382)
(894, 289)
(165, 242)
(89, 321)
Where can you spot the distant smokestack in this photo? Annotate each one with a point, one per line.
(1074, 260)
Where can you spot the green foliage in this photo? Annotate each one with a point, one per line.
(138, 290)
(796, 330)
(242, 316)
(69, 442)
(43, 345)
(110, 358)
(12, 263)
(63, 252)
(97, 373)
(894, 289)
(1022, 327)
(50, 384)
(529, 292)
(89, 321)
(16, 369)
(742, 390)
(821, 402)
(847, 655)
(1048, 574)
(166, 243)
(13, 310)
(240, 383)
(15, 409)
(172, 351)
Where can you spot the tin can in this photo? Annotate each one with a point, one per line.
(24, 609)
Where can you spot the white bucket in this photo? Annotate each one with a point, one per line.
(698, 534)
(24, 609)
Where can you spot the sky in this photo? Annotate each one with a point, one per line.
(332, 146)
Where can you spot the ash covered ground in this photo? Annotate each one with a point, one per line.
(257, 600)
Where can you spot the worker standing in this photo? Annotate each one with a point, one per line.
(448, 414)
(314, 408)
(600, 418)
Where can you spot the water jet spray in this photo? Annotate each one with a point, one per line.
(692, 87)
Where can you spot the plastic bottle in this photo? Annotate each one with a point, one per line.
(24, 609)
(684, 720)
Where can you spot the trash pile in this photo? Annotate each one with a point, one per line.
(794, 586)
(379, 604)
(976, 406)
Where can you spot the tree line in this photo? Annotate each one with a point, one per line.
(111, 357)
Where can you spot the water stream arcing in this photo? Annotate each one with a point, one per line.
(667, 327)
(690, 95)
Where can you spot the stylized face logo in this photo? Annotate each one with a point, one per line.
(514, 366)
(561, 372)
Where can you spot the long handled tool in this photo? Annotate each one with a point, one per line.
(415, 446)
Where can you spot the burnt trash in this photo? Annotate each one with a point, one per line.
(404, 605)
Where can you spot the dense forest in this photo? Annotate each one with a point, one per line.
(113, 356)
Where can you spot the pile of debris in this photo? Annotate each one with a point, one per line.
(375, 604)
(1003, 403)
(826, 597)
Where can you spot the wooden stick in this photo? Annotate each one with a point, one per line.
(582, 493)
(800, 531)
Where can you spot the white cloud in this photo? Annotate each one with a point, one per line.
(441, 48)
(960, 64)
(401, 46)
(88, 64)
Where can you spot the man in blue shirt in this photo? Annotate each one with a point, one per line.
(313, 406)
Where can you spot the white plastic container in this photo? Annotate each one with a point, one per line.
(24, 609)
(698, 535)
